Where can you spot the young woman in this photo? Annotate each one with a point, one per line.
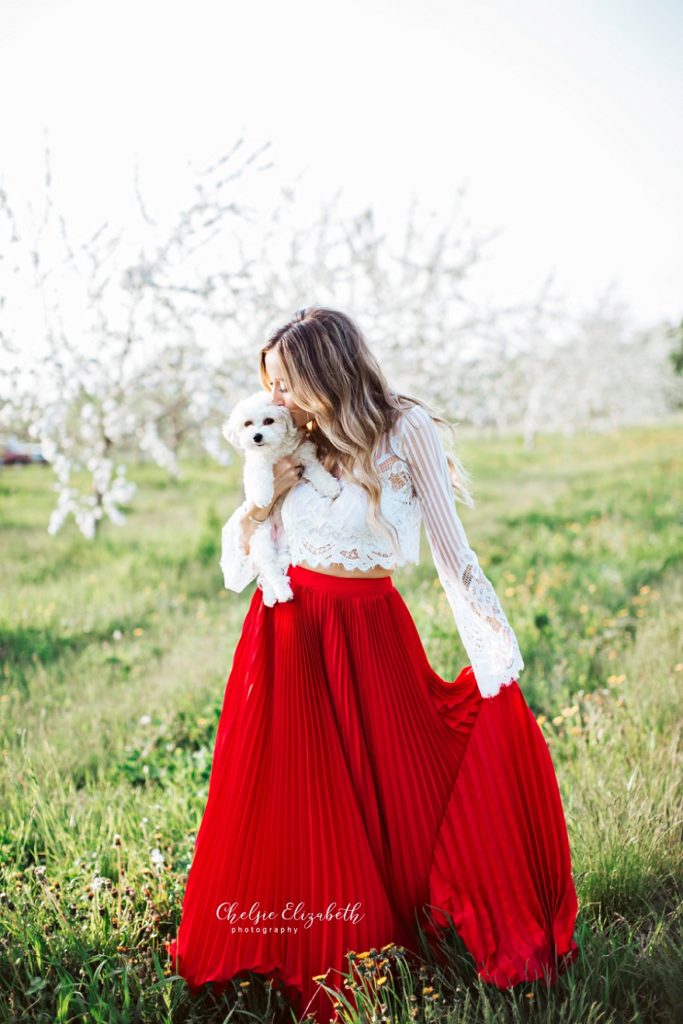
(354, 793)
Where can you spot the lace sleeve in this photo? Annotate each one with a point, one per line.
(238, 570)
(490, 642)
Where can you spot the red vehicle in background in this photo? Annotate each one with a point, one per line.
(14, 452)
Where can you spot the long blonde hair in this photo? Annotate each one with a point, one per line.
(331, 372)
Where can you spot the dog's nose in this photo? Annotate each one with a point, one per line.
(258, 437)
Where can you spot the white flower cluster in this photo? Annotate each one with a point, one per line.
(111, 491)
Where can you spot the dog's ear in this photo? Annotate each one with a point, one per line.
(281, 412)
(232, 428)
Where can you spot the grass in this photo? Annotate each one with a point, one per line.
(114, 659)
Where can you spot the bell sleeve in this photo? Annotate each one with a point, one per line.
(237, 565)
(487, 637)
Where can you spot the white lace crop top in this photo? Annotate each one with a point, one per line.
(416, 487)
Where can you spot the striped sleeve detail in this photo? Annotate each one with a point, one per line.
(488, 638)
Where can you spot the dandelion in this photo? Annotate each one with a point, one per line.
(541, 719)
(568, 712)
(116, 841)
(157, 858)
(558, 720)
(138, 631)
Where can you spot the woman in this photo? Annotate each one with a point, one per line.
(354, 793)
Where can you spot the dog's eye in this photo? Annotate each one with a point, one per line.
(268, 420)
(248, 423)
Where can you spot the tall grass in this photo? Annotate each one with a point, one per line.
(114, 660)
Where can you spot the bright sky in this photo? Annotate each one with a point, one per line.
(563, 118)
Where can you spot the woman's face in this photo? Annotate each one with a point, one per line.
(278, 389)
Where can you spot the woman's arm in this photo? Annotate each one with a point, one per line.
(236, 562)
(487, 636)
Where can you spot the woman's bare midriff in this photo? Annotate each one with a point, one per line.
(337, 569)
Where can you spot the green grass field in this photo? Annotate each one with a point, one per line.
(115, 655)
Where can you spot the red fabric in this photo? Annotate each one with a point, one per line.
(347, 772)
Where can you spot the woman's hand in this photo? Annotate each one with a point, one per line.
(287, 471)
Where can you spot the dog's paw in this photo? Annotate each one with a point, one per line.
(284, 590)
(323, 481)
(329, 486)
(268, 593)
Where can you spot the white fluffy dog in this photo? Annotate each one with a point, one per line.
(265, 432)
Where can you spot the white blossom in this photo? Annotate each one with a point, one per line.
(157, 859)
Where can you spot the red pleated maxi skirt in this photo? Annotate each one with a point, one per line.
(353, 792)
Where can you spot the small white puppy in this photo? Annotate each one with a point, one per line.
(265, 432)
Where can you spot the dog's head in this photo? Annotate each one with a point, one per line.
(256, 422)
